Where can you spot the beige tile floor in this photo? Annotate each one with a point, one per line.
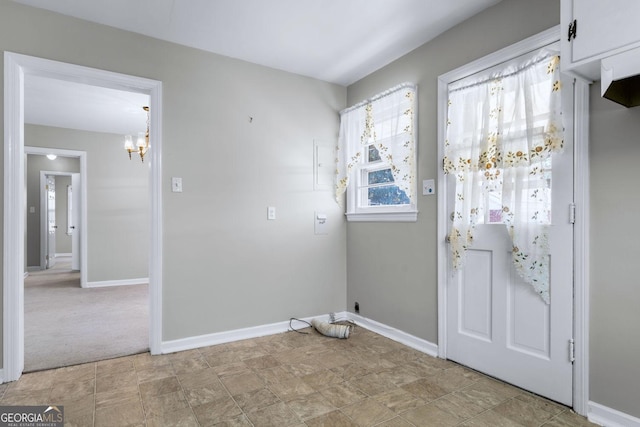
(288, 379)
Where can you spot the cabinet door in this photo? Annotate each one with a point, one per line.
(603, 27)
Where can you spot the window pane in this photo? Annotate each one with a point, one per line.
(374, 156)
(380, 177)
(535, 197)
(387, 195)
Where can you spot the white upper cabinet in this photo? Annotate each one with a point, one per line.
(602, 28)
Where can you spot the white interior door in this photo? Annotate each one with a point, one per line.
(51, 220)
(75, 227)
(499, 325)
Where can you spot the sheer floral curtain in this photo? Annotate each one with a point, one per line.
(502, 131)
(386, 121)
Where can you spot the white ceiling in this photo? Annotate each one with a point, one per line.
(64, 104)
(338, 41)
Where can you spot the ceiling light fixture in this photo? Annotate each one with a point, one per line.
(142, 144)
(51, 156)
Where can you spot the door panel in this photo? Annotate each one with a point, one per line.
(528, 320)
(475, 297)
(51, 221)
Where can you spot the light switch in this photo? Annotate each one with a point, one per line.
(428, 187)
(271, 212)
(176, 185)
(32, 209)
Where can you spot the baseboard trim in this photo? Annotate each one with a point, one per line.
(395, 334)
(200, 341)
(230, 336)
(125, 282)
(34, 268)
(63, 254)
(1, 376)
(605, 416)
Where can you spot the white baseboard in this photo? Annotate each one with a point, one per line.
(1, 376)
(276, 328)
(396, 335)
(34, 268)
(230, 336)
(125, 282)
(605, 416)
(63, 254)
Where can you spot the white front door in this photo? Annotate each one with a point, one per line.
(499, 325)
(51, 221)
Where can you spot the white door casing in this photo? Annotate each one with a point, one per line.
(579, 391)
(15, 68)
(75, 226)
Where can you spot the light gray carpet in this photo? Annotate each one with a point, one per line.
(67, 325)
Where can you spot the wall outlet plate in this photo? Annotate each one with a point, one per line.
(428, 187)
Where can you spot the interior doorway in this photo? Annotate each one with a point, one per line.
(16, 68)
(70, 168)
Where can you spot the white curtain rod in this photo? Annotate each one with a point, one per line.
(380, 95)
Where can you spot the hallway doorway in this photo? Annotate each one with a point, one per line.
(16, 68)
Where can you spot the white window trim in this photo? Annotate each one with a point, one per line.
(409, 216)
(388, 213)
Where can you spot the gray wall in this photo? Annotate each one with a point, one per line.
(225, 266)
(399, 288)
(117, 201)
(36, 163)
(614, 154)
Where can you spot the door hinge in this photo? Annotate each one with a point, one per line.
(572, 350)
(572, 213)
(573, 30)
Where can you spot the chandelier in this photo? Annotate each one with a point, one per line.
(142, 144)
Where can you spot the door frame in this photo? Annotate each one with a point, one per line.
(82, 220)
(16, 66)
(580, 121)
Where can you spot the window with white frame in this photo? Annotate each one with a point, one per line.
(376, 157)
